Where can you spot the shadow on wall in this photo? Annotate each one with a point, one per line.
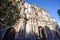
(57, 31)
(27, 36)
(2, 31)
(56, 35)
(44, 34)
(51, 34)
(48, 34)
(10, 35)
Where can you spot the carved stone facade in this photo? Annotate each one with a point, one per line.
(31, 17)
(35, 24)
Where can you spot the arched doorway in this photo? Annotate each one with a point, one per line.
(41, 33)
(10, 34)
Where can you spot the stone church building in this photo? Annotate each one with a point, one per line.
(34, 24)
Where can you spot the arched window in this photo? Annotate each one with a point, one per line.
(41, 33)
(10, 34)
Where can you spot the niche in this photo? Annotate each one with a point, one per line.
(41, 33)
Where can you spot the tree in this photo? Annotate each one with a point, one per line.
(9, 12)
(58, 12)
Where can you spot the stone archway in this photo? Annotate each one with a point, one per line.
(10, 34)
(41, 33)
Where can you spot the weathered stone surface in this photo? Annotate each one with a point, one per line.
(31, 18)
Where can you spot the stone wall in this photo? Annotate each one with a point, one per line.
(31, 17)
(34, 19)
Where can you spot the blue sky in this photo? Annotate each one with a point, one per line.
(49, 5)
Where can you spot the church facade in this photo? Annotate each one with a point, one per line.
(34, 24)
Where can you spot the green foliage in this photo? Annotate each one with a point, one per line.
(58, 12)
(9, 12)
